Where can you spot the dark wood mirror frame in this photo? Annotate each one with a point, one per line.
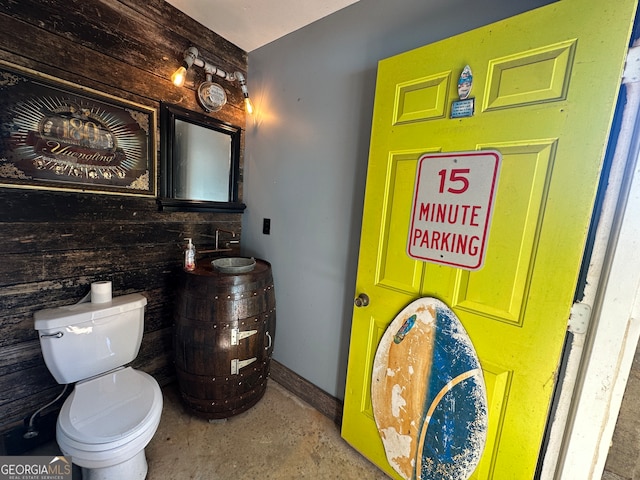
(169, 162)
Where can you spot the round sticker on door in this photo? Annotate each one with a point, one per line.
(465, 82)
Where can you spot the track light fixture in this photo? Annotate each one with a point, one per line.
(212, 96)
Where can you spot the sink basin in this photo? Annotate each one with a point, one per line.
(234, 264)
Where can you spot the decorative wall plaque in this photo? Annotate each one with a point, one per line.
(56, 135)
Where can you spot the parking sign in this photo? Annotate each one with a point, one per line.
(452, 206)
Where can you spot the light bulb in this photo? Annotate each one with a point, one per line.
(248, 105)
(179, 77)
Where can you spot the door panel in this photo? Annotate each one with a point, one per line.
(497, 381)
(393, 263)
(499, 290)
(545, 84)
(531, 77)
(422, 99)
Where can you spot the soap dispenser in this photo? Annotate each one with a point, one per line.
(190, 256)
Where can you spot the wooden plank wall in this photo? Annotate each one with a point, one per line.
(54, 244)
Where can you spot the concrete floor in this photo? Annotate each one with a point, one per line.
(280, 438)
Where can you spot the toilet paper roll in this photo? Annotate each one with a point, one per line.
(101, 292)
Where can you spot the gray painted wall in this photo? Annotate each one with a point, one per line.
(306, 161)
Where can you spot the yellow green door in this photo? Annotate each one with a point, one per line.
(545, 85)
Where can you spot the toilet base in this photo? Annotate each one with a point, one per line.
(133, 469)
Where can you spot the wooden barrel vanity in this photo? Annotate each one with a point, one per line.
(224, 331)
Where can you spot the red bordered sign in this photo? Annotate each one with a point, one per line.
(452, 207)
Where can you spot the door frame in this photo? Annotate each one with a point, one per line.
(606, 323)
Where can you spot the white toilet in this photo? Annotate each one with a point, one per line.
(113, 411)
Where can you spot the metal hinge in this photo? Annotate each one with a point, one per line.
(237, 364)
(631, 72)
(237, 335)
(579, 318)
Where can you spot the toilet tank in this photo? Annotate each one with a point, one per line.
(86, 339)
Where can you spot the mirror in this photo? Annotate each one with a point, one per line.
(200, 162)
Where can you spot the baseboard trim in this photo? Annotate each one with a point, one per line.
(325, 403)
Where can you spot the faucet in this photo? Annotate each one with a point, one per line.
(218, 230)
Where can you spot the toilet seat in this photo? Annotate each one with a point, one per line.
(110, 411)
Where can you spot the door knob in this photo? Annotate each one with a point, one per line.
(361, 300)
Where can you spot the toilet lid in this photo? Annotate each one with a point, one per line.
(107, 408)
